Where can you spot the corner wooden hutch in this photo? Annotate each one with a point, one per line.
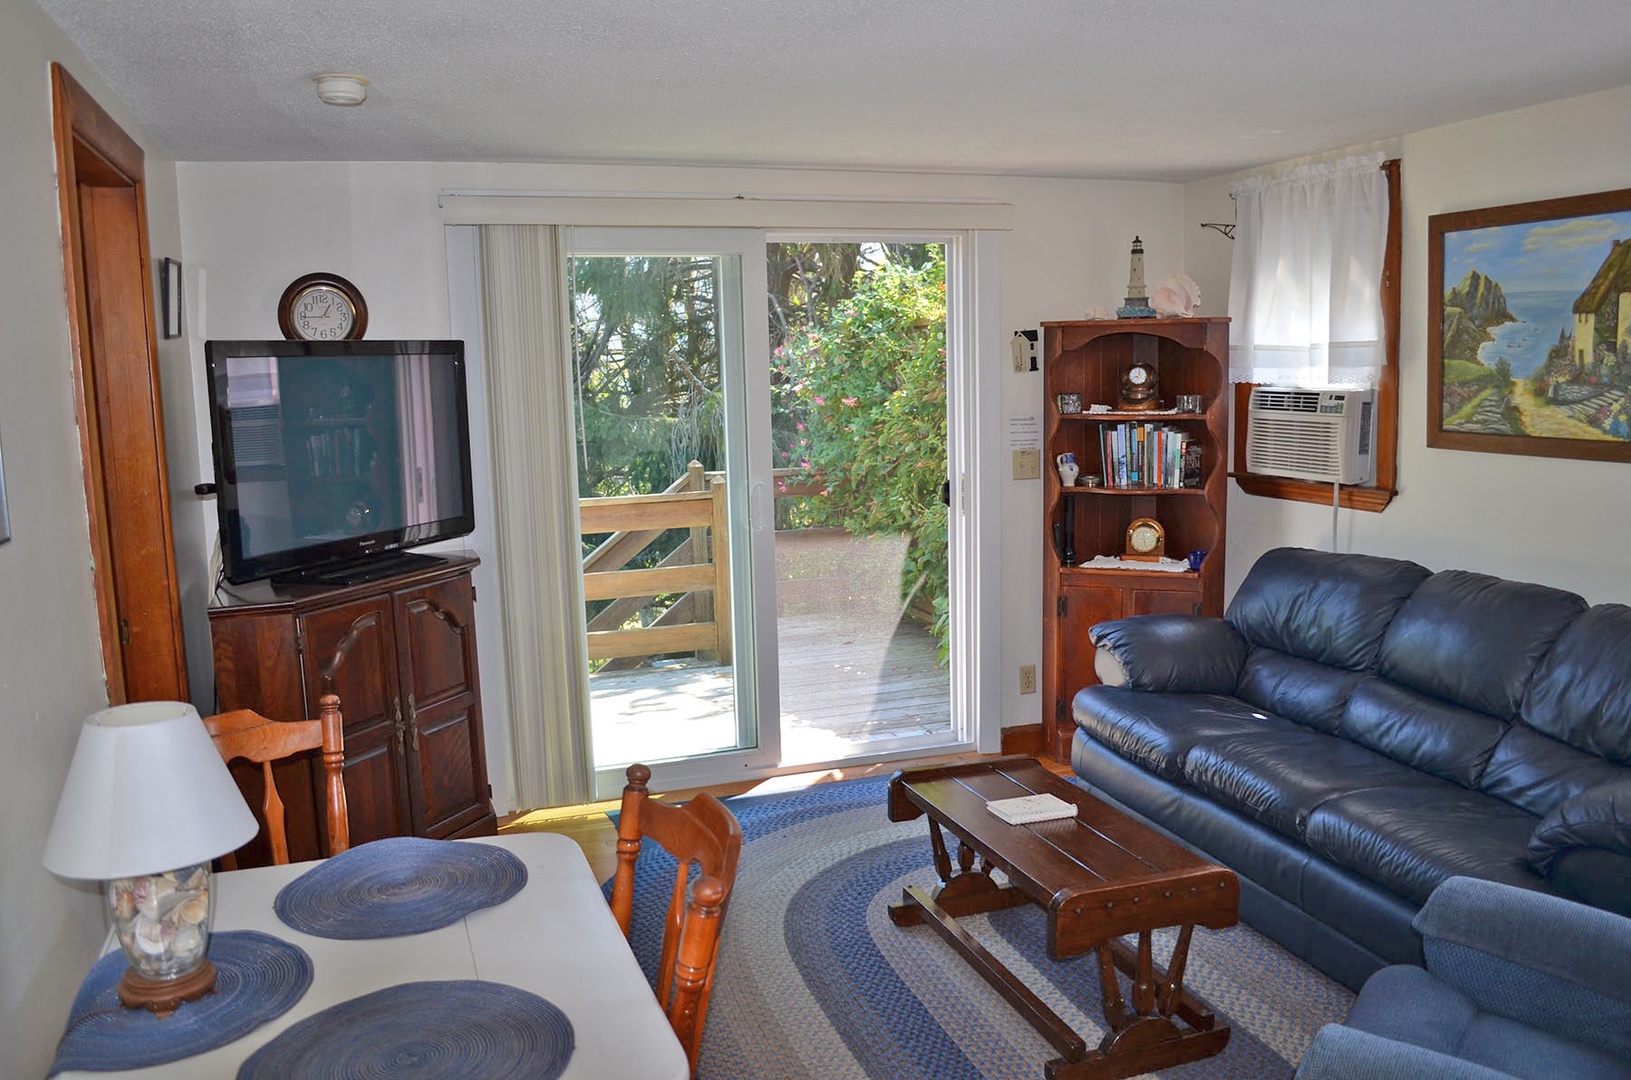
(401, 653)
(1087, 360)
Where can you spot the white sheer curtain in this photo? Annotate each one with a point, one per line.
(1305, 286)
(529, 386)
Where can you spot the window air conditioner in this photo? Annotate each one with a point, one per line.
(1311, 434)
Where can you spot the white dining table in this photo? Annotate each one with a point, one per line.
(555, 938)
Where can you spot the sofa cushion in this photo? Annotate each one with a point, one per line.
(1408, 839)
(1330, 608)
(1173, 653)
(1582, 693)
(1443, 739)
(1475, 640)
(1157, 730)
(1536, 772)
(1278, 777)
(1302, 690)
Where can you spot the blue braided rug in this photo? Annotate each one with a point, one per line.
(815, 981)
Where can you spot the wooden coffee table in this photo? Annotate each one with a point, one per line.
(1098, 876)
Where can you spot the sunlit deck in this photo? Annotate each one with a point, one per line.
(854, 674)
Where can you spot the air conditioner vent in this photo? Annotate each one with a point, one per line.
(1273, 399)
(1311, 434)
(257, 435)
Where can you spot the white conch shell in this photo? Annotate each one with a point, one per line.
(1176, 294)
(1098, 311)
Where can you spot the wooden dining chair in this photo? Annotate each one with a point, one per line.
(244, 733)
(701, 833)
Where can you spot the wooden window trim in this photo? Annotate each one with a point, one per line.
(1370, 498)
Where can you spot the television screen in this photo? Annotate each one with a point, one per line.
(331, 452)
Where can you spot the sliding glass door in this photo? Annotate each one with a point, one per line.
(673, 437)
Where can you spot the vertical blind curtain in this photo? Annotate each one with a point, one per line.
(1305, 287)
(529, 385)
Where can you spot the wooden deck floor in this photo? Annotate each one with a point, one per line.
(853, 671)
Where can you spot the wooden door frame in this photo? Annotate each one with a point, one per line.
(94, 152)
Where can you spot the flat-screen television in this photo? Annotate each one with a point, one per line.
(333, 456)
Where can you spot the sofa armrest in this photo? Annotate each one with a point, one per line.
(1541, 960)
(1174, 653)
(1598, 817)
(1344, 1053)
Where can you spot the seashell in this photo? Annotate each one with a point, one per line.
(192, 910)
(188, 943)
(151, 937)
(1098, 311)
(1176, 295)
(142, 893)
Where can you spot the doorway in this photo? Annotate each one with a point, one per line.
(858, 332)
(121, 424)
(765, 505)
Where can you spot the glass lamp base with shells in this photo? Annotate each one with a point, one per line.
(162, 922)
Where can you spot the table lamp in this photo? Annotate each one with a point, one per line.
(147, 804)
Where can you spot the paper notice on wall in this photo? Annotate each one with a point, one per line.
(1025, 431)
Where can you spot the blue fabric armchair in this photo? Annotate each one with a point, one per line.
(1517, 984)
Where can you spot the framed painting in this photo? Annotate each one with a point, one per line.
(1529, 328)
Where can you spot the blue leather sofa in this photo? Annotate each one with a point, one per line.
(1355, 730)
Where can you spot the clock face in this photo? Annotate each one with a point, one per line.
(1144, 538)
(322, 307)
(323, 313)
(1138, 374)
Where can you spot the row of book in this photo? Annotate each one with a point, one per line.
(342, 453)
(1149, 455)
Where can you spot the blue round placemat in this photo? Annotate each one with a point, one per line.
(401, 885)
(257, 978)
(460, 1028)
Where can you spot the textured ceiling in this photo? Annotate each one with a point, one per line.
(1082, 88)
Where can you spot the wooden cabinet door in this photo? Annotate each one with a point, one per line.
(437, 657)
(1081, 609)
(351, 650)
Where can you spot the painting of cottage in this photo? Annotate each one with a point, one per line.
(1535, 330)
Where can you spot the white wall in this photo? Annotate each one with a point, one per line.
(1549, 520)
(50, 656)
(251, 228)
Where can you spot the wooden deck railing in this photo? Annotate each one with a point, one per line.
(698, 569)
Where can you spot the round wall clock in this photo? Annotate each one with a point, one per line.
(322, 307)
(1137, 389)
(1146, 540)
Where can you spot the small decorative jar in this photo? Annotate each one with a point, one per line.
(1068, 469)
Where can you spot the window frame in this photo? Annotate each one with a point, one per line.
(1373, 498)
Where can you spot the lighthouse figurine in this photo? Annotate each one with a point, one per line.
(1138, 303)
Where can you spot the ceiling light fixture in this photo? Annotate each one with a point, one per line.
(341, 89)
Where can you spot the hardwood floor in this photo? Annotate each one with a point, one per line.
(592, 829)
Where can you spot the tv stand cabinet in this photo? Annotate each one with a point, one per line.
(401, 653)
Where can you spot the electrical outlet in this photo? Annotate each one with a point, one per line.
(1027, 678)
(1027, 464)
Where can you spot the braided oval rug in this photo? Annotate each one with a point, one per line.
(815, 981)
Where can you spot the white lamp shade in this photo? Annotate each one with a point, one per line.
(146, 792)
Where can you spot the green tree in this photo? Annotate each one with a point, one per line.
(645, 347)
(869, 382)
